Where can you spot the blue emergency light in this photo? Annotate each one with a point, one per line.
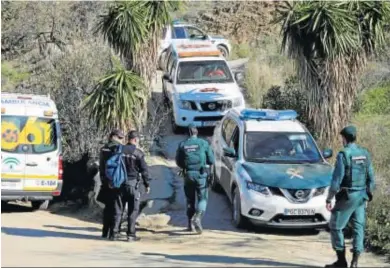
(268, 114)
(177, 21)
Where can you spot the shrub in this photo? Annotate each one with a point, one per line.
(376, 100)
(374, 134)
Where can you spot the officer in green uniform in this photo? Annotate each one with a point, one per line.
(192, 156)
(352, 185)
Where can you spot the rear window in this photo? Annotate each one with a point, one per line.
(23, 134)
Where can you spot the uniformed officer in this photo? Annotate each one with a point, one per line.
(130, 191)
(192, 156)
(352, 184)
(107, 195)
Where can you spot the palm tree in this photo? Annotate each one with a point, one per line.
(133, 29)
(117, 100)
(330, 43)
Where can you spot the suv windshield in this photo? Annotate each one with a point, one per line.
(23, 134)
(197, 72)
(278, 147)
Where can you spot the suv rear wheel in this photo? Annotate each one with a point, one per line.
(223, 51)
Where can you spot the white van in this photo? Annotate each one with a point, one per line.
(31, 156)
(199, 86)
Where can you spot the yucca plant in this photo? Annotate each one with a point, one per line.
(117, 100)
(330, 42)
(133, 29)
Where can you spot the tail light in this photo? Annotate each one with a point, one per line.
(60, 168)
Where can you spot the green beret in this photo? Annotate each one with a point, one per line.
(349, 132)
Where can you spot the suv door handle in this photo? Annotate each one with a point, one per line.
(31, 164)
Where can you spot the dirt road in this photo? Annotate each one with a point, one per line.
(45, 239)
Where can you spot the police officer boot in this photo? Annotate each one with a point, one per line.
(355, 258)
(190, 228)
(197, 222)
(341, 261)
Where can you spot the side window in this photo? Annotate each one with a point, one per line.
(227, 130)
(234, 142)
(179, 32)
(193, 32)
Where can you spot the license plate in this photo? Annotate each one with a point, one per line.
(299, 212)
(40, 183)
(209, 123)
(11, 185)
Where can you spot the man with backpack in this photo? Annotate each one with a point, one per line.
(134, 165)
(352, 185)
(192, 156)
(107, 195)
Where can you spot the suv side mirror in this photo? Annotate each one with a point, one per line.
(239, 76)
(167, 77)
(229, 152)
(327, 153)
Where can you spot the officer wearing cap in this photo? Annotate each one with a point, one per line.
(130, 191)
(352, 185)
(192, 156)
(107, 195)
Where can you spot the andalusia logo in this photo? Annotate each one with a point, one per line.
(11, 162)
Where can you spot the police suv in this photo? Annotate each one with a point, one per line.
(199, 86)
(271, 169)
(31, 155)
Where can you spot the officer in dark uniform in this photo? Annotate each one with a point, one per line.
(192, 156)
(107, 195)
(352, 184)
(130, 191)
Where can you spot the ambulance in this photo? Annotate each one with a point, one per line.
(199, 86)
(31, 156)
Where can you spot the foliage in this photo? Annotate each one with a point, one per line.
(242, 50)
(117, 100)
(330, 42)
(376, 101)
(266, 70)
(374, 134)
(12, 75)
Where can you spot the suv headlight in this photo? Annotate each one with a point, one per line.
(185, 104)
(251, 185)
(320, 191)
(237, 101)
(258, 187)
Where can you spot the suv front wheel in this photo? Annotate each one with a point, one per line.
(239, 220)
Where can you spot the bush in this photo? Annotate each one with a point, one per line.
(376, 101)
(242, 50)
(374, 134)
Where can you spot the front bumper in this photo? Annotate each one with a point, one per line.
(273, 211)
(184, 117)
(21, 195)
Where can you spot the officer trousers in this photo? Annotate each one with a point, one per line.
(195, 187)
(130, 195)
(348, 208)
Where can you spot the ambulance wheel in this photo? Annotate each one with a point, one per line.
(238, 219)
(215, 185)
(40, 205)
